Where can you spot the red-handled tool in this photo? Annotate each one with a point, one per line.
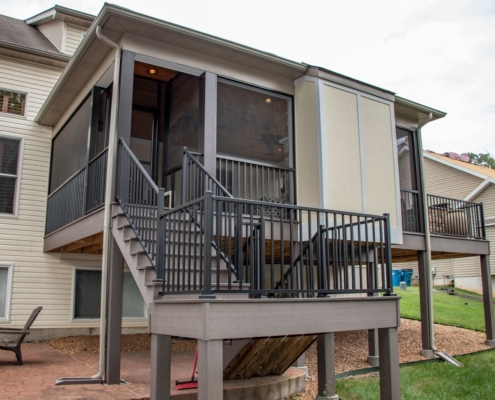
(192, 384)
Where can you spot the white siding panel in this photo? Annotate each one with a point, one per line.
(466, 267)
(54, 31)
(73, 38)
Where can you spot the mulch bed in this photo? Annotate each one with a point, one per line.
(351, 348)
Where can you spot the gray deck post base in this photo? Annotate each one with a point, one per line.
(161, 361)
(486, 282)
(326, 366)
(210, 369)
(388, 342)
(373, 357)
(428, 354)
(300, 363)
(114, 322)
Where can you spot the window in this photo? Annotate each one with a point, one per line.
(87, 295)
(12, 102)
(9, 174)
(5, 289)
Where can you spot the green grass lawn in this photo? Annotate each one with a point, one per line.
(447, 309)
(437, 380)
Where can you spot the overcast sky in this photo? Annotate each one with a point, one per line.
(440, 53)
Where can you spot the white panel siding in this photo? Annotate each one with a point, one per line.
(54, 31)
(39, 279)
(446, 181)
(73, 38)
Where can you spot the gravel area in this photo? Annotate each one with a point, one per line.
(351, 348)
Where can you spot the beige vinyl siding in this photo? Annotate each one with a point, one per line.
(307, 171)
(381, 187)
(30, 78)
(466, 267)
(73, 38)
(39, 279)
(443, 180)
(54, 31)
(487, 197)
(343, 155)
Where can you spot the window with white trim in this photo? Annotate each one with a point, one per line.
(12, 102)
(5, 291)
(9, 174)
(87, 295)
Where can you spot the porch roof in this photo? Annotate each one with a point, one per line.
(117, 21)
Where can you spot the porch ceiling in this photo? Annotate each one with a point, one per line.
(405, 255)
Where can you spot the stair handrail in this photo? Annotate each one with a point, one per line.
(188, 156)
(155, 254)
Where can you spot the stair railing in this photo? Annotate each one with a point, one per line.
(196, 180)
(142, 201)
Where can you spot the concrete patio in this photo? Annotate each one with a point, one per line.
(43, 365)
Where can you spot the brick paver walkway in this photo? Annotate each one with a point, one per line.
(43, 365)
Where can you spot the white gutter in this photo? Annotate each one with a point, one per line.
(109, 196)
(426, 223)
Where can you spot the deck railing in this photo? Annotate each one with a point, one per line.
(305, 253)
(451, 217)
(79, 195)
(254, 180)
(142, 202)
(410, 207)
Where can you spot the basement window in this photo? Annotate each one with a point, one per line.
(12, 102)
(87, 296)
(5, 291)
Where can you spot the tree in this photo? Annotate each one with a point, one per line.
(483, 159)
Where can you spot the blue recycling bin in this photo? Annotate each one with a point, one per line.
(396, 277)
(407, 276)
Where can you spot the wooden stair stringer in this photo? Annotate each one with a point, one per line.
(267, 356)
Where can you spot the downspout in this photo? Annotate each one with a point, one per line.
(109, 197)
(107, 227)
(426, 223)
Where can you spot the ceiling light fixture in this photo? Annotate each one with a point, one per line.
(152, 71)
(268, 101)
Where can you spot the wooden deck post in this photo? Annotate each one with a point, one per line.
(424, 302)
(486, 281)
(326, 367)
(389, 364)
(161, 358)
(210, 369)
(114, 324)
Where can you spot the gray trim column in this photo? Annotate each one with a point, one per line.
(326, 367)
(208, 121)
(114, 315)
(210, 369)
(161, 361)
(125, 95)
(486, 281)
(389, 364)
(424, 302)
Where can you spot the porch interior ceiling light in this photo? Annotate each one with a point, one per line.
(268, 101)
(152, 71)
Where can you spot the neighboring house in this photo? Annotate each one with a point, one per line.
(280, 220)
(458, 179)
